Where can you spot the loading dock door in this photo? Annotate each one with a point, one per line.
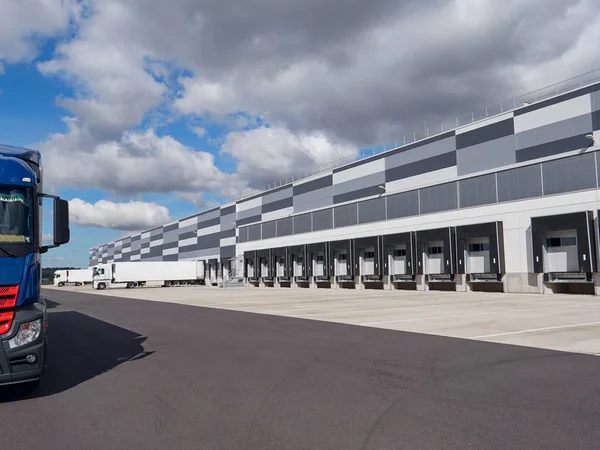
(435, 257)
(341, 263)
(319, 264)
(298, 262)
(368, 261)
(264, 267)
(281, 266)
(478, 255)
(250, 267)
(398, 255)
(561, 252)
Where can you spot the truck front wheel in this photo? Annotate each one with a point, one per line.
(101, 286)
(61, 284)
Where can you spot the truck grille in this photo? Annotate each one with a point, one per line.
(8, 300)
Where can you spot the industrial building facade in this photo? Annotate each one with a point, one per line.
(507, 203)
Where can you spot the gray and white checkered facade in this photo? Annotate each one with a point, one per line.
(536, 151)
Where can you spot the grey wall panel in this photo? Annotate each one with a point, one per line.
(319, 198)
(302, 223)
(285, 226)
(224, 234)
(313, 185)
(287, 202)
(477, 191)
(188, 235)
(228, 221)
(323, 219)
(554, 100)
(404, 204)
(136, 237)
(253, 232)
(210, 240)
(156, 231)
(555, 131)
(485, 156)
(438, 198)
(569, 174)
(227, 210)
(205, 253)
(596, 120)
(170, 245)
(412, 155)
(256, 211)
(153, 258)
(174, 257)
(355, 195)
(485, 134)
(345, 215)
(520, 183)
(268, 229)
(356, 184)
(553, 148)
(155, 251)
(278, 194)
(227, 251)
(136, 246)
(420, 167)
(189, 249)
(209, 223)
(248, 220)
(188, 229)
(188, 255)
(243, 234)
(209, 215)
(371, 210)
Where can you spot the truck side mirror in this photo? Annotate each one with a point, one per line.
(62, 233)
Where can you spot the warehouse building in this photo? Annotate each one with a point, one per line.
(509, 203)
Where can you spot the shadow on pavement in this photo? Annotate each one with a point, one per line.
(50, 304)
(80, 348)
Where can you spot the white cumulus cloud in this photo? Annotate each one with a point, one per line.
(24, 22)
(131, 215)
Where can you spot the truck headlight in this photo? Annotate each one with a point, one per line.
(28, 333)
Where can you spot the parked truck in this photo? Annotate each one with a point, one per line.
(23, 318)
(76, 277)
(140, 274)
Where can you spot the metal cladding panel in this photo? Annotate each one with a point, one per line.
(285, 226)
(408, 238)
(438, 198)
(247, 220)
(269, 230)
(227, 210)
(277, 205)
(404, 204)
(486, 133)
(553, 148)
(570, 174)
(322, 220)
(345, 215)
(520, 183)
(227, 251)
(209, 223)
(243, 234)
(491, 230)
(477, 191)
(313, 185)
(254, 232)
(362, 243)
(371, 210)
(312, 250)
(579, 221)
(303, 223)
(421, 167)
(348, 245)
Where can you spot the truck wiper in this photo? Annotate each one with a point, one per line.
(7, 252)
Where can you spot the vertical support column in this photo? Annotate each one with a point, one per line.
(421, 284)
(461, 283)
(334, 283)
(387, 283)
(358, 284)
(596, 280)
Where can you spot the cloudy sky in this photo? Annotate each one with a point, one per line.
(147, 110)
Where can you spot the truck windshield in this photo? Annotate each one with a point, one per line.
(16, 218)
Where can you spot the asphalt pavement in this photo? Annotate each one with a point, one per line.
(133, 374)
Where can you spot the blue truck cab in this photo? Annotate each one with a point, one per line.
(23, 319)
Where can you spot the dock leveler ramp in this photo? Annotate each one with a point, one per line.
(399, 252)
(436, 258)
(318, 264)
(480, 257)
(281, 266)
(341, 263)
(298, 260)
(564, 251)
(367, 261)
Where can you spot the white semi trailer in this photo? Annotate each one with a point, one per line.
(72, 276)
(139, 274)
